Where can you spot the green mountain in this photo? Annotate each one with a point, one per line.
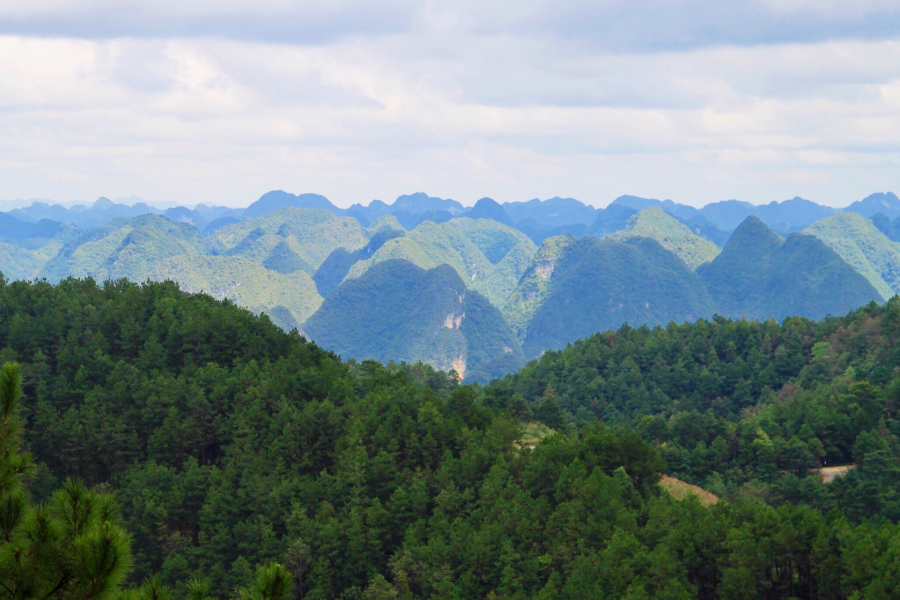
(124, 248)
(289, 239)
(758, 275)
(398, 311)
(577, 287)
(23, 256)
(288, 299)
(488, 256)
(674, 236)
(865, 248)
(334, 269)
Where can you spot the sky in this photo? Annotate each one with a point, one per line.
(221, 101)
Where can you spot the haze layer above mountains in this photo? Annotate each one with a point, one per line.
(476, 289)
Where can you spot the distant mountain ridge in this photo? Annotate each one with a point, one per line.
(641, 261)
(536, 218)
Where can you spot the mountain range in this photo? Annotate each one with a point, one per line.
(476, 289)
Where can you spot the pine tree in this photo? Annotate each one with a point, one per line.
(70, 548)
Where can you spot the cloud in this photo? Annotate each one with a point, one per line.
(220, 102)
(618, 25)
(306, 22)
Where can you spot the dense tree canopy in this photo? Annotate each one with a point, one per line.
(230, 445)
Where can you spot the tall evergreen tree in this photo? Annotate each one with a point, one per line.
(70, 548)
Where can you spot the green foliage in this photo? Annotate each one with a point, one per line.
(671, 234)
(234, 447)
(489, 257)
(759, 276)
(289, 239)
(24, 258)
(864, 247)
(124, 248)
(288, 299)
(398, 311)
(72, 547)
(582, 286)
(745, 409)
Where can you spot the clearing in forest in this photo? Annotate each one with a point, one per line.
(681, 490)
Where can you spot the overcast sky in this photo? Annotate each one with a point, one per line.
(221, 101)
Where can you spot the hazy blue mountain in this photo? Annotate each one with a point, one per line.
(421, 202)
(885, 203)
(703, 227)
(366, 215)
(401, 312)
(759, 275)
(613, 218)
(487, 208)
(202, 216)
(787, 216)
(435, 216)
(217, 224)
(792, 215)
(889, 228)
(538, 233)
(550, 213)
(105, 210)
(13, 229)
(102, 211)
(410, 210)
(276, 199)
(679, 211)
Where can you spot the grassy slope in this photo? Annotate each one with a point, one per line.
(489, 257)
(681, 490)
(288, 299)
(671, 234)
(864, 247)
(124, 248)
(309, 235)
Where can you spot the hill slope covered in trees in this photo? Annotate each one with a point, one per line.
(230, 443)
(864, 247)
(576, 287)
(399, 311)
(675, 237)
(760, 276)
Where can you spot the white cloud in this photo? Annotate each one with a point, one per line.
(461, 101)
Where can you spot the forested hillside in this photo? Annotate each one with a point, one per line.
(229, 443)
(397, 311)
(745, 408)
(577, 287)
(759, 275)
(285, 254)
(859, 242)
(675, 237)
